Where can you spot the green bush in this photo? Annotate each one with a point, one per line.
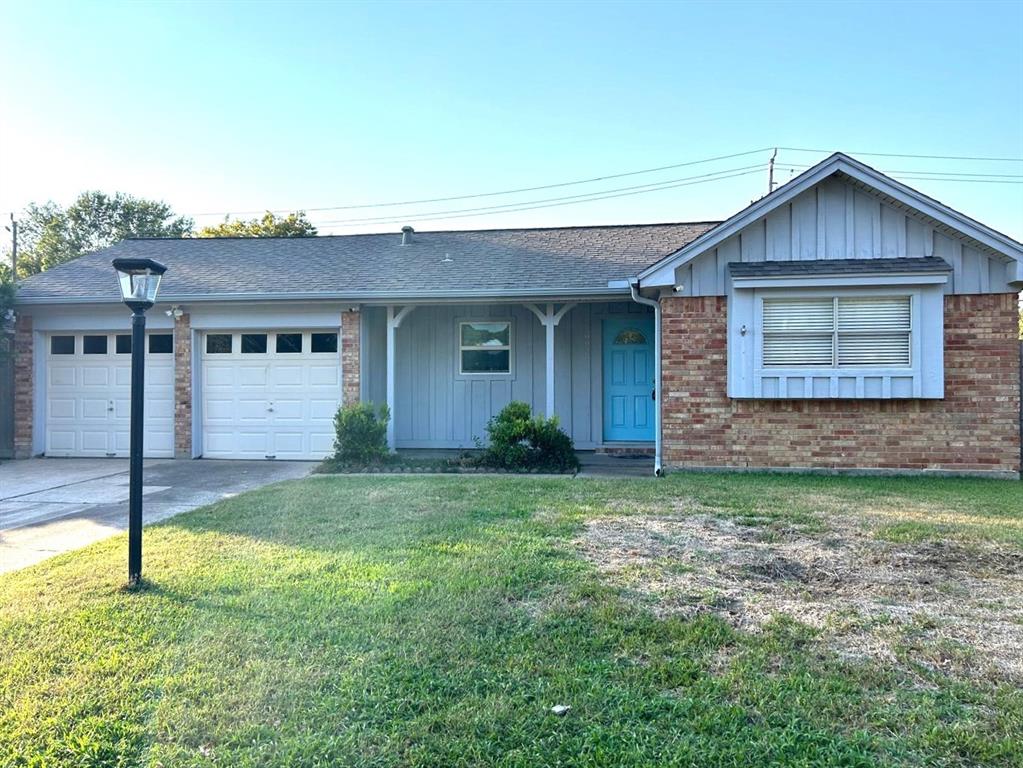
(360, 432)
(518, 440)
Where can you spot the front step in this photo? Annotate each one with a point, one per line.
(625, 449)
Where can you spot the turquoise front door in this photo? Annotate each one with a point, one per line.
(629, 379)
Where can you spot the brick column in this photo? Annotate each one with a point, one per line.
(24, 387)
(183, 387)
(351, 330)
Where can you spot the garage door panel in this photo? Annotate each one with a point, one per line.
(321, 375)
(250, 410)
(80, 392)
(93, 409)
(219, 375)
(159, 408)
(250, 376)
(61, 376)
(289, 411)
(94, 376)
(240, 389)
(321, 443)
(218, 409)
(59, 409)
(322, 410)
(288, 375)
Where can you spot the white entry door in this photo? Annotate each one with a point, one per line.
(270, 394)
(88, 394)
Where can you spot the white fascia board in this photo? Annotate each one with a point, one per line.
(663, 272)
(838, 281)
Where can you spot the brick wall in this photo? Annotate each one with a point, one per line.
(24, 384)
(183, 387)
(974, 428)
(350, 356)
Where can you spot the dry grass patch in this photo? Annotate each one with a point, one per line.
(947, 606)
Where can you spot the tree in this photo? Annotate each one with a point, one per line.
(50, 235)
(292, 225)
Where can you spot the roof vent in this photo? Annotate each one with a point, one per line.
(406, 235)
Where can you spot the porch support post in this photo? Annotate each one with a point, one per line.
(393, 323)
(549, 319)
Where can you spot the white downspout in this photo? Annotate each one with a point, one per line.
(634, 286)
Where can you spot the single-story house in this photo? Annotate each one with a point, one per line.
(843, 322)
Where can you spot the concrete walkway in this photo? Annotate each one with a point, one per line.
(49, 506)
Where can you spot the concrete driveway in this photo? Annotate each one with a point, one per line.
(49, 506)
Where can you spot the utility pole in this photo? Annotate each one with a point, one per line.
(770, 172)
(13, 229)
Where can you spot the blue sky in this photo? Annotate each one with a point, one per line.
(232, 107)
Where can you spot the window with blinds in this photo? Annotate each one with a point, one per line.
(837, 332)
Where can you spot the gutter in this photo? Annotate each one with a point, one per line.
(634, 287)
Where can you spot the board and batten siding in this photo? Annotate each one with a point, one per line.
(838, 220)
(437, 407)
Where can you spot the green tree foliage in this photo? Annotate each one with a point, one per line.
(292, 225)
(50, 235)
(360, 433)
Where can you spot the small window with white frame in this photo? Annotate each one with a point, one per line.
(838, 332)
(484, 347)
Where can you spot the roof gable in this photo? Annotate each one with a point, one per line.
(662, 273)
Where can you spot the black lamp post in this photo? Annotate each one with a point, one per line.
(140, 280)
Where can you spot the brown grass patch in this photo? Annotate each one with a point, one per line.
(944, 605)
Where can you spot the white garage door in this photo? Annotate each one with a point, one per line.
(88, 394)
(270, 394)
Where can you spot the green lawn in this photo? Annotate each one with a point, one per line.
(434, 621)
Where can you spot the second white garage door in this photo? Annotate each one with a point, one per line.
(270, 394)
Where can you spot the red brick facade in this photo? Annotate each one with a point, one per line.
(351, 352)
(974, 428)
(24, 385)
(183, 387)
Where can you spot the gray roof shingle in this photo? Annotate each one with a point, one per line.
(511, 261)
(915, 265)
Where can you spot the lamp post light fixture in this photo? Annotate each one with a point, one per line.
(140, 280)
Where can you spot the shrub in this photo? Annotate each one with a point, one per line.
(360, 432)
(518, 440)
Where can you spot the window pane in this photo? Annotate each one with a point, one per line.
(485, 334)
(630, 336)
(874, 314)
(161, 343)
(798, 315)
(288, 343)
(94, 345)
(218, 343)
(62, 345)
(253, 343)
(324, 342)
(873, 349)
(122, 345)
(486, 361)
(786, 351)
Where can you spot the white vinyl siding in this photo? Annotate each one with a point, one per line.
(837, 332)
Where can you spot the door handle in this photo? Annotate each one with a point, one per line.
(270, 408)
(110, 405)
(653, 394)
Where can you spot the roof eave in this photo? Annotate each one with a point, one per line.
(354, 296)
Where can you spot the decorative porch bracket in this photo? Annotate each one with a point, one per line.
(393, 323)
(549, 319)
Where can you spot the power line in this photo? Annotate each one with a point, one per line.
(492, 194)
(796, 166)
(916, 176)
(758, 169)
(652, 187)
(895, 154)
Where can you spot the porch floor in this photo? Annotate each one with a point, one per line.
(593, 464)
